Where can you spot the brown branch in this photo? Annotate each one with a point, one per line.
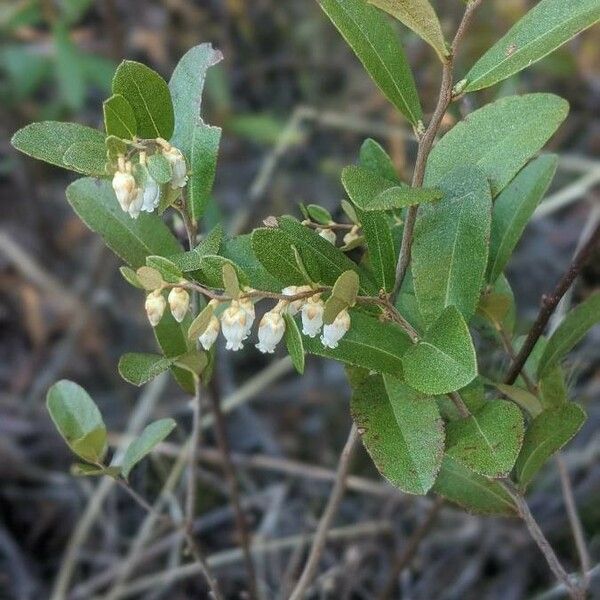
(234, 490)
(549, 304)
(335, 498)
(426, 142)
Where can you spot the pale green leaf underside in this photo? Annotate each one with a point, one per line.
(548, 25)
(139, 368)
(293, 342)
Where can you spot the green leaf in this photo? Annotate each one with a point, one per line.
(119, 118)
(571, 330)
(346, 287)
(333, 307)
(319, 214)
(173, 341)
(499, 138)
(139, 368)
(186, 86)
(200, 323)
(192, 260)
(370, 191)
(553, 388)
(49, 140)
(152, 435)
(526, 400)
(375, 44)
(86, 470)
(148, 94)
(159, 168)
(203, 159)
(444, 360)
(130, 276)
(450, 248)
(87, 158)
(77, 419)
(401, 430)
(194, 361)
(274, 248)
(548, 25)
(169, 271)
(487, 442)
(374, 158)
(474, 493)
(369, 343)
(293, 342)
(514, 207)
(547, 434)
(419, 16)
(132, 239)
(230, 281)
(211, 271)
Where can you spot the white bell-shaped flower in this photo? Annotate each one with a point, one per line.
(135, 206)
(155, 307)
(178, 167)
(312, 316)
(233, 323)
(179, 302)
(270, 331)
(247, 305)
(328, 234)
(150, 194)
(208, 338)
(334, 332)
(125, 188)
(293, 290)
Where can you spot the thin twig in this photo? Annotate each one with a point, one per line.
(549, 303)
(328, 515)
(426, 142)
(407, 555)
(540, 539)
(229, 471)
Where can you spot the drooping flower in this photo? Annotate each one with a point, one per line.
(247, 305)
(334, 332)
(155, 307)
(178, 166)
(328, 234)
(270, 331)
(312, 316)
(150, 194)
(234, 323)
(125, 188)
(208, 338)
(179, 302)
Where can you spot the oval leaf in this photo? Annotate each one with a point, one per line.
(487, 442)
(571, 330)
(547, 434)
(77, 419)
(119, 118)
(293, 342)
(375, 44)
(450, 249)
(401, 430)
(548, 25)
(444, 360)
(87, 158)
(499, 138)
(139, 368)
(152, 435)
(148, 94)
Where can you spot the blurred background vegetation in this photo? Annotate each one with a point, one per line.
(294, 104)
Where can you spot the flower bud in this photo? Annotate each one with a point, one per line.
(351, 236)
(295, 305)
(247, 306)
(125, 188)
(328, 234)
(334, 332)
(208, 338)
(312, 316)
(155, 307)
(270, 331)
(179, 302)
(178, 167)
(234, 323)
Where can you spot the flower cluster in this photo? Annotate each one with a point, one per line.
(136, 190)
(237, 319)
